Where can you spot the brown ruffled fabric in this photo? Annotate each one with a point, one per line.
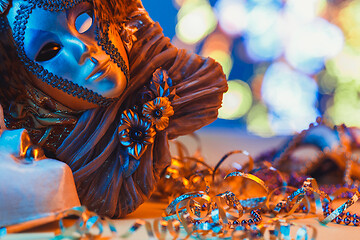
(93, 150)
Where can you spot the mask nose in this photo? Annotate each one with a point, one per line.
(86, 48)
(87, 51)
(93, 53)
(80, 49)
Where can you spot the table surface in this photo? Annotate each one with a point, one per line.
(152, 210)
(215, 143)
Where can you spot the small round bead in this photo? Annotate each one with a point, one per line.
(236, 222)
(356, 221)
(243, 222)
(347, 221)
(255, 213)
(250, 222)
(257, 221)
(338, 219)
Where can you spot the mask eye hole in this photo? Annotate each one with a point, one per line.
(84, 22)
(47, 52)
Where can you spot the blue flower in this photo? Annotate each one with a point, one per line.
(135, 133)
(161, 85)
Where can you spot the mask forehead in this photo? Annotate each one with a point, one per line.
(46, 20)
(46, 15)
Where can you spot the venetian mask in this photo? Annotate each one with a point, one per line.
(61, 46)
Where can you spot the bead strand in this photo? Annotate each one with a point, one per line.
(256, 219)
(346, 218)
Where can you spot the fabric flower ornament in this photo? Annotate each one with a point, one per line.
(158, 112)
(135, 133)
(161, 85)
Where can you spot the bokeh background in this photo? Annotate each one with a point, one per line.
(287, 61)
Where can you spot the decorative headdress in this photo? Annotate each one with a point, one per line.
(117, 153)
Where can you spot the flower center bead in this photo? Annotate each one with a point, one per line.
(136, 135)
(158, 113)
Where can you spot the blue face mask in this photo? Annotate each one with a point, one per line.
(59, 43)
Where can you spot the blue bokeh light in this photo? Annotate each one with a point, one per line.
(291, 98)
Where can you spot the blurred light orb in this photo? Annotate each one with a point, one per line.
(257, 121)
(232, 16)
(345, 66)
(346, 105)
(217, 46)
(265, 47)
(261, 19)
(311, 44)
(285, 89)
(236, 101)
(222, 57)
(349, 20)
(196, 20)
(290, 97)
(287, 124)
(303, 10)
(217, 41)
